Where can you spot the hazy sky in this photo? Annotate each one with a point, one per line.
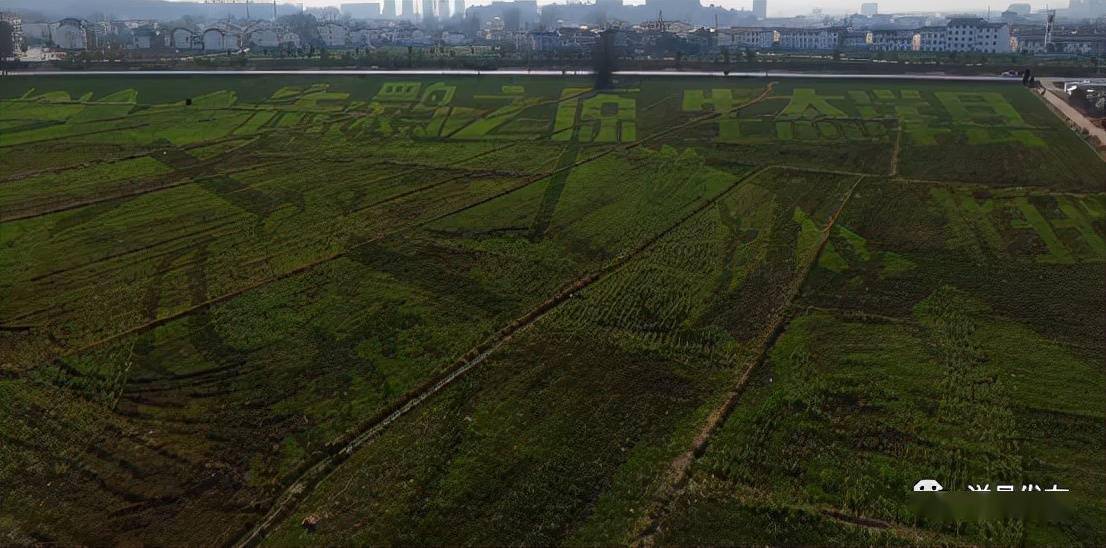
(795, 7)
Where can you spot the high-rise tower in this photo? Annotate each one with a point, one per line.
(760, 9)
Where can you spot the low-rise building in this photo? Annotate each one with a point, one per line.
(544, 41)
(71, 34)
(1071, 45)
(856, 40)
(747, 37)
(144, 38)
(827, 38)
(361, 38)
(973, 34)
(932, 39)
(16, 24)
(450, 38)
(184, 39)
(577, 38)
(334, 35)
(219, 39)
(37, 33)
(892, 40)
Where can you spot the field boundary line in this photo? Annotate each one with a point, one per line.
(86, 134)
(897, 150)
(860, 315)
(19, 177)
(829, 171)
(675, 479)
(176, 178)
(997, 191)
(746, 495)
(340, 451)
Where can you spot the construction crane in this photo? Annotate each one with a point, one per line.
(246, 2)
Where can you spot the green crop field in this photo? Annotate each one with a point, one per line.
(491, 310)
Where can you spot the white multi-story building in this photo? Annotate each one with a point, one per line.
(810, 38)
(856, 40)
(334, 35)
(16, 24)
(972, 34)
(1071, 45)
(747, 37)
(932, 39)
(892, 40)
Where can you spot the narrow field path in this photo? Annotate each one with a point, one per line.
(1074, 116)
(315, 472)
(181, 177)
(678, 473)
(897, 150)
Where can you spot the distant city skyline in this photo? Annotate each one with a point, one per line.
(778, 8)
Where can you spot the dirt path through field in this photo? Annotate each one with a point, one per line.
(1074, 116)
(675, 479)
(321, 469)
(897, 151)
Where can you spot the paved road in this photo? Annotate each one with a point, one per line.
(1075, 116)
(947, 77)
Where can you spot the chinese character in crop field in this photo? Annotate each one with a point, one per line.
(503, 122)
(716, 100)
(987, 117)
(436, 99)
(398, 92)
(409, 108)
(386, 114)
(908, 108)
(602, 118)
(811, 117)
(1063, 225)
(806, 103)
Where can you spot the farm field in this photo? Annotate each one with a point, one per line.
(489, 310)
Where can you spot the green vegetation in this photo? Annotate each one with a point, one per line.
(500, 310)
